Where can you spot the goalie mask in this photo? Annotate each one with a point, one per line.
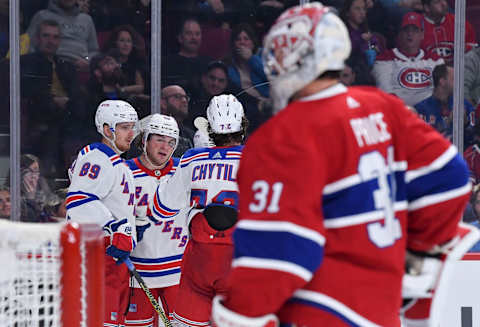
(113, 112)
(225, 114)
(304, 42)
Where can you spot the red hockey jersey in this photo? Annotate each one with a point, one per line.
(438, 39)
(333, 189)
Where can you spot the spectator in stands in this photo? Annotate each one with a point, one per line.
(54, 101)
(5, 205)
(354, 14)
(363, 74)
(213, 81)
(406, 71)
(437, 110)
(187, 64)
(347, 76)
(56, 208)
(35, 192)
(78, 42)
(131, 56)
(472, 77)
(472, 214)
(472, 156)
(245, 68)
(174, 102)
(106, 79)
(266, 14)
(130, 48)
(440, 30)
(84, 6)
(24, 37)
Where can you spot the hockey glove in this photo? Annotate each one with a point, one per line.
(141, 225)
(425, 283)
(121, 241)
(223, 317)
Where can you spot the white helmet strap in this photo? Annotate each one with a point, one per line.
(112, 140)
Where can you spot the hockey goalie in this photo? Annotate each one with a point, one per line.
(349, 203)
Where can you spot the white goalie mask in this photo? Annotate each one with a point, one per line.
(113, 112)
(304, 42)
(225, 114)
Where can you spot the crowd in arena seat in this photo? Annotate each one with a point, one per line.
(77, 53)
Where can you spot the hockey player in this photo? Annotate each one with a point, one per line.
(161, 242)
(102, 192)
(335, 189)
(206, 179)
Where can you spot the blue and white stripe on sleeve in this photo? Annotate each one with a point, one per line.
(444, 179)
(278, 245)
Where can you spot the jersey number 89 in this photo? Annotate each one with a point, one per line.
(91, 171)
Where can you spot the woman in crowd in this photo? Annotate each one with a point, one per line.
(245, 68)
(364, 42)
(131, 56)
(35, 192)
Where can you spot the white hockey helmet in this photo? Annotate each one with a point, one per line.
(112, 112)
(161, 125)
(224, 114)
(305, 41)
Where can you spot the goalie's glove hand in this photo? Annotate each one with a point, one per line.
(223, 317)
(421, 276)
(121, 241)
(141, 225)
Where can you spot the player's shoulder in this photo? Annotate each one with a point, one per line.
(100, 152)
(132, 164)
(208, 153)
(372, 95)
(175, 163)
(194, 154)
(386, 55)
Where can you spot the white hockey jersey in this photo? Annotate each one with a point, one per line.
(409, 78)
(158, 257)
(101, 187)
(205, 175)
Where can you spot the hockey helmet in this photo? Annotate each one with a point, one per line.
(305, 41)
(225, 114)
(161, 125)
(112, 112)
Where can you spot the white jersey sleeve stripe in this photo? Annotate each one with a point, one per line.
(279, 265)
(439, 197)
(437, 164)
(282, 226)
(326, 302)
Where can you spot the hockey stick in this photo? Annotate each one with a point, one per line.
(147, 291)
